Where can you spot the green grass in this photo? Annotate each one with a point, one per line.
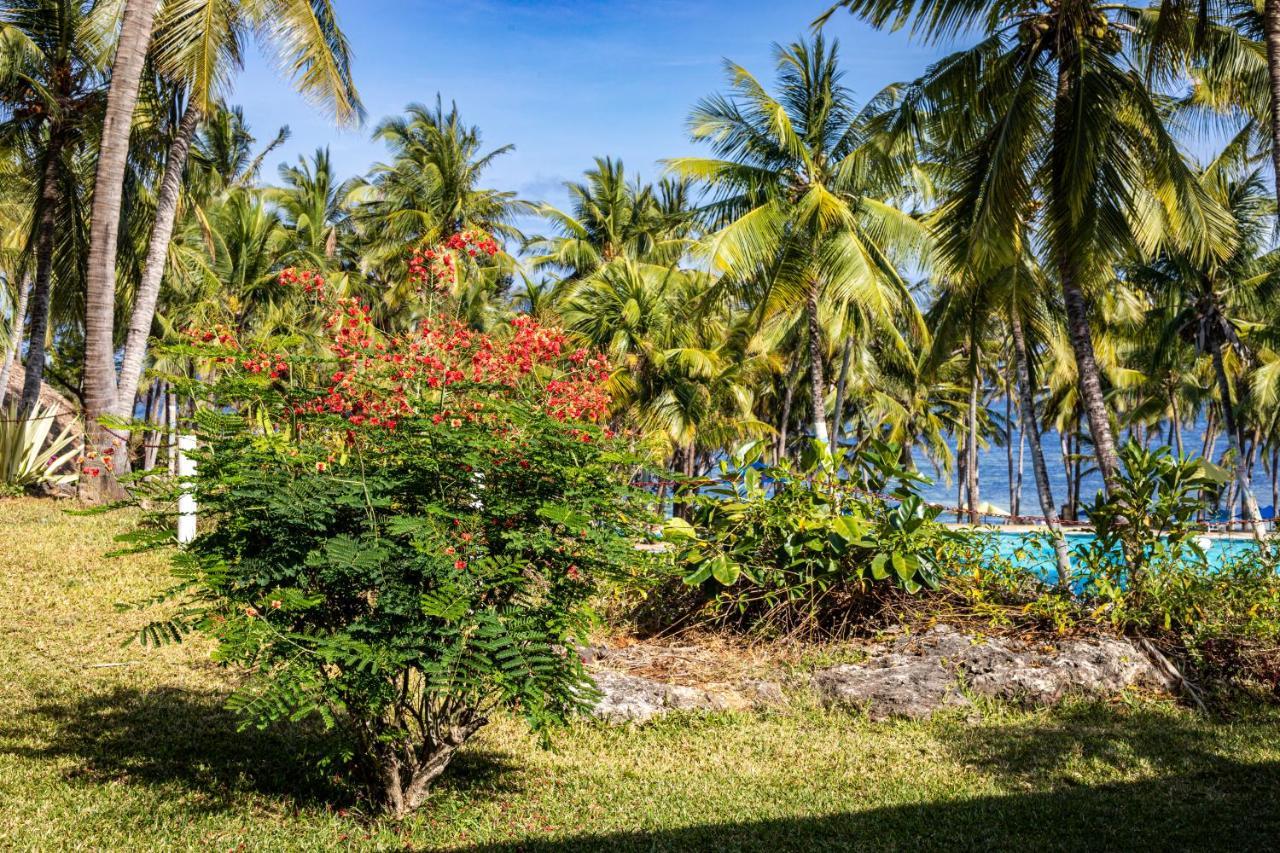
(141, 755)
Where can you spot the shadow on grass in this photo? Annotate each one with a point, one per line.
(1200, 791)
(1192, 812)
(174, 737)
(1075, 738)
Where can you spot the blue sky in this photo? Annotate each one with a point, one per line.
(562, 81)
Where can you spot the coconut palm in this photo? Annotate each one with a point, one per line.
(52, 57)
(686, 386)
(799, 185)
(312, 202)
(198, 44)
(1047, 112)
(199, 47)
(1214, 303)
(99, 375)
(611, 218)
(430, 189)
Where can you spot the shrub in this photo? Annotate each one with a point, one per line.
(785, 545)
(31, 454)
(1144, 528)
(408, 544)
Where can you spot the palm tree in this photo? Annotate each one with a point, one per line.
(431, 188)
(14, 230)
(313, 206)
(687, 387)
(799, 182)
(1047, 113)
(610, 218)
(1211, 302)
(99, 378)
(198, 45)
(55, 53)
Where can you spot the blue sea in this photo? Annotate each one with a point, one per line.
(993, 470)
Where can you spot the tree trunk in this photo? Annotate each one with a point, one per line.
(1210, 436)
(1175, 423)
(19, 326)
(1077, 472)
(144, 303)
(1031, 429)
(1251, 458)
(1090, 380)
(784, 419)
(1088, 375)
(151, 438)
(1271, 28)
(837, 420)
(1210, 439)
(971, 443)
(171, 420)
(1064, 445)
(1247, 500)
(1008, 449)
(50, 195)
(817, 387)
(1275, 485)
(1022, 453)
(100, 386)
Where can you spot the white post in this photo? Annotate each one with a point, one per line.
(186, 499)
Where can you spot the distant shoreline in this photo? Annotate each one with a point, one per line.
(1077, 529)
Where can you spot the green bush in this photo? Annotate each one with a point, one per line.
(32, 455)
(1145, 524)
(405, 539)
(786, 545)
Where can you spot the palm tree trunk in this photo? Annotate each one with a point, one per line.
(1275, 484)
(19, 326)
(171, 423)
(50, 194)
(151, 438)
(971, 444)
(784, 419)
(817, 387)
(837, 420)
(1008, 449)
(100, 386)
(1271, 28)
(1022, 453)
(1077, 310)
(1210, 436)
(1175, 422)
(1089, 376)
(1247, 500)
(1077, 471)
(1031, 429)
(1064, 445)
(144, 303)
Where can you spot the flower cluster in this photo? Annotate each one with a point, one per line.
(92, 463)
(441, 369)
(311, 283)
(436, 269)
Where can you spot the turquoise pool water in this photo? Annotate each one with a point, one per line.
(1033, 551)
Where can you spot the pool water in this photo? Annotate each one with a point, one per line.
(1034, 551)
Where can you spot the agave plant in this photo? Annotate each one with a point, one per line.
(28, 457)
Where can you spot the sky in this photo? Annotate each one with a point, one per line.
(563, 82)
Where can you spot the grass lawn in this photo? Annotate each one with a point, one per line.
(104, 746)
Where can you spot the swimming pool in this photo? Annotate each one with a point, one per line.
(1033, 551)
